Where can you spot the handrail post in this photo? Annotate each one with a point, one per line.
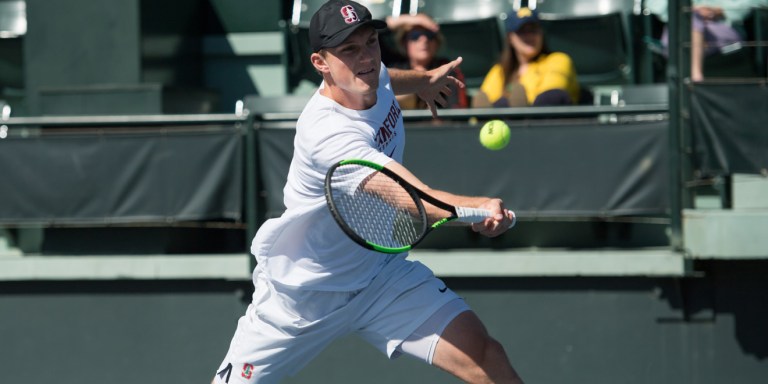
(678, 73)
(251, 193)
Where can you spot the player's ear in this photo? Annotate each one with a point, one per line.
(319, 62)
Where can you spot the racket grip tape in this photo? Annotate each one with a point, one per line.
(472, 215)
(476, 215)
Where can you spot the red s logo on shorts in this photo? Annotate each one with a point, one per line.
(350, 16)
(247, 371)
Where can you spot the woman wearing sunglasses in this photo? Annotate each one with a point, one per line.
(418, 38)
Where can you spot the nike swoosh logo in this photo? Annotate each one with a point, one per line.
(393, 151)
(226, 371)
(443, 289)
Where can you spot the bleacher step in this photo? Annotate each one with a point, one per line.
(553, 262)
(726, 233)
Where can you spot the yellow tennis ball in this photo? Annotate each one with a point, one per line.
(494, 135)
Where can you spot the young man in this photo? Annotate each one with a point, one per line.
(312, 283)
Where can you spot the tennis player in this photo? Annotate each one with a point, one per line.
(312, 283)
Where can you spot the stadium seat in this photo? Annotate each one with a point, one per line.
(627, 8)
(645, 94)
(756, 26)
(304, 9)
(596, 34)
(259, 105)
(462, 10)
(586, 7)
(297, 51)
(13, 18)
(13, 27)
(634, 94)
(596, 43)
(473, 29)
(732, 64)
(478, 42)
(743, 60)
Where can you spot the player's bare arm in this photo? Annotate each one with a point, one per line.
(502, 218)
(431, 86)
(419, 19)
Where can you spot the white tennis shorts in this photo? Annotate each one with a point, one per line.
(403, 310)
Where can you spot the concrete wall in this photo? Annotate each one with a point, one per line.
(708, 329)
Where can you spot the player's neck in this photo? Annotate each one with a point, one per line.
(348, 99)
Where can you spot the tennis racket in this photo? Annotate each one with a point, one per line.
(381, 211)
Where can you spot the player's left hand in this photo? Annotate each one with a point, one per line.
(439, 85)
(499, 223)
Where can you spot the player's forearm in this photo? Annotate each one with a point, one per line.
(450, 198)
(417, 20)
(405, 81)
(458, 200)
(492, 205)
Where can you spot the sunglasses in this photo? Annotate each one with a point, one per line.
(415, 35)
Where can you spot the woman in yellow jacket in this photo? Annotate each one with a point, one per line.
(526, 73)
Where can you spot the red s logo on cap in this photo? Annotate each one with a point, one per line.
(350, 16)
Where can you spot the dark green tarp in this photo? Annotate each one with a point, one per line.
(115, 176)
(549, 169)
(730, 127)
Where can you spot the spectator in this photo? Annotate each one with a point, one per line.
(390, 51)
(714, 27)
(527, 73)
(418, 39)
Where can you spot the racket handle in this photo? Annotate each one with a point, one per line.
(472, 215)
(476, 215)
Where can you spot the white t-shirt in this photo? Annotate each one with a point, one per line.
(304, 247)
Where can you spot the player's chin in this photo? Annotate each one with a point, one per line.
(367, 83)
(369, 78)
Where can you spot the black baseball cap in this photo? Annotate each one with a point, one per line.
(336, 20)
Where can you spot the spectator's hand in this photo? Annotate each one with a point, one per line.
(497, 225)
(439, 85)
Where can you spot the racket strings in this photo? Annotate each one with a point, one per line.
(376, 207)
(435, 213)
